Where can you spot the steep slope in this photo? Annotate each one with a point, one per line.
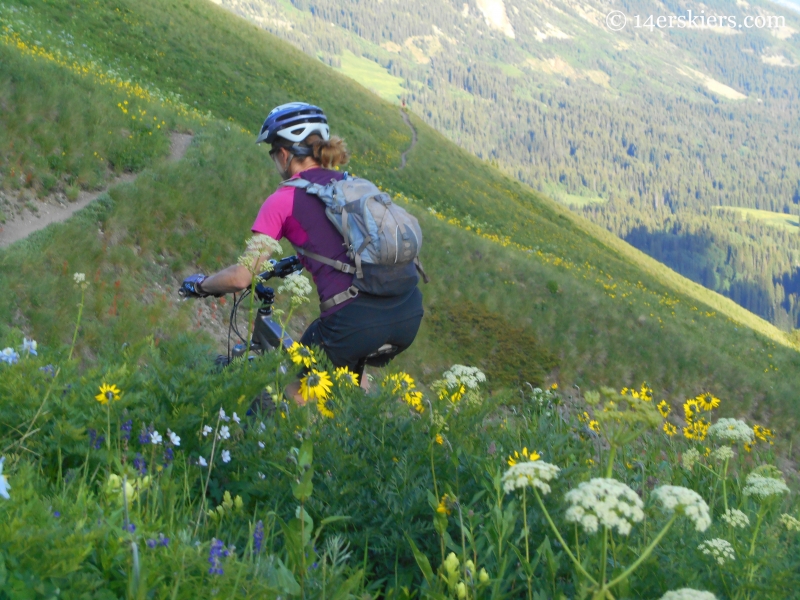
(644, 122)
(520, 286)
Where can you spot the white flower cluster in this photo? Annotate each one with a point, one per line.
(606, 502)
(469, 377)
(542, 397)
(723, 453)
(688, 594)
(530, 474)
(731, 430)
(79, 278)
(689, 458)
(258, 246)
(297, 285)
(683, 500)
(718, 549)
(790, 522)
(736, 518)
(764, 488)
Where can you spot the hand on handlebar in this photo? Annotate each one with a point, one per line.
(190, 288)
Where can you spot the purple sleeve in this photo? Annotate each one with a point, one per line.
(274, 213)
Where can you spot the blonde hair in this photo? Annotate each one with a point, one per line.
(328, 153)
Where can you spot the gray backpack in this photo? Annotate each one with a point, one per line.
(382, 239)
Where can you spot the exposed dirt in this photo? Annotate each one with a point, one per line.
(55, 208)
(407, 121)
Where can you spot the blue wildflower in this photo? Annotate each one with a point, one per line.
(29, 346)
(217, 552)
(163, 540)
(48, 370)
(169, 456)
(258, 537)
(57, 515)
(125, 429)
(130, 527)
(140, 464)
(92, 437)
(151, 543)
(9, 355)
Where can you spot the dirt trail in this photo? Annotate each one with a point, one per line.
(55, 211)
(407, 121)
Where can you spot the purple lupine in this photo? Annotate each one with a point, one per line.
(130, 527)
(151, 543)
(140, 465)
(101, 439)
(163, 540)
(258, 537)
(216, 554)
(125, 429)
(144, 436)
(48, 370)
(169, 456)
(92, 437)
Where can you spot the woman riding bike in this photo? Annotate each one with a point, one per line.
(352, 325)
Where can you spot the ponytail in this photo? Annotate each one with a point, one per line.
(328, 153)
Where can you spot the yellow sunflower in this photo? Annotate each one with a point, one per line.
(443, 508)
(302, 355)
(664, 408)
(646, 393)
(345, 375)
(316, 385)
(523, 456)
(325, 407)
(414, 400)
(107, 393)
(669, 428)
(594, 426)
(707, 401)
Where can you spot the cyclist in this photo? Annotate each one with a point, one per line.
(350, 326)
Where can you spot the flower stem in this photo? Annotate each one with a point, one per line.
(77, 324)
(612, 453)
(527, 551)
(561, 541)
(755, 532)
(647, 551)
(605, 557)
(724, 489)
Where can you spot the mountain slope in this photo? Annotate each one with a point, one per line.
(520, 285)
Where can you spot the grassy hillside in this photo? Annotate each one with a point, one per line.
(517, 280)
(349, 495)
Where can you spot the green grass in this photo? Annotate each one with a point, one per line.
(586, 308)
(575, 200)
(767, 217)
(372, 76)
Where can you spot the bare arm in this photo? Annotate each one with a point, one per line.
(231, 279)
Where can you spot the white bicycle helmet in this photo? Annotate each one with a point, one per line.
(294, 122)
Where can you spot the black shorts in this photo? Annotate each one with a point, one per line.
(352, 333)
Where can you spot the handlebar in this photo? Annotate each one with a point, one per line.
(282, 268)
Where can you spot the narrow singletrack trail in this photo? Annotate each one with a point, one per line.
(28, 222)
(407, 121)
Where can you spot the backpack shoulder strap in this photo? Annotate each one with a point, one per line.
(336, 264)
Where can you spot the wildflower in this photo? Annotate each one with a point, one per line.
(9, 356)
(470, 377)
(722, 453)
(696, 430)
(216, 553)
(236, 419)
(47, 369)
(151, 543)
(731, 430)
(226, 456)
(169, 456)
(735, 518)
(262, 445)
(79, 278)
(140, 465)
(763, 487)
(298, 286)
(669, 428)
(325, 408)
(663, 408)
(4, 487)
(683, 500)
(258, 247)
(483, 576)
(606, 502)
(594, 426)
(163, 540)
(554, 387)
(345, 375)
(790, 522)
(125, 429)
(525, 455)
(707, 402)
(202, 461)
(451, 563)
(439, 439)
(144, 436)
(688, 594)
(762, 433)
(258, 537)
(316, 385)
(533, 474)
(720, 550)
(224, 433)
(29, 346)
(174, 438)
(748, 447)
(443, 507)
(155, 438)
(206, 430)
(461, 590)
(301, 355)
(223, 416)
(107, 393)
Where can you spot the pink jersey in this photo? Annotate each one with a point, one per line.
(299, 217)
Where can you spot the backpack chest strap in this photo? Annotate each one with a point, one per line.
(344, 296)
(336, 264)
